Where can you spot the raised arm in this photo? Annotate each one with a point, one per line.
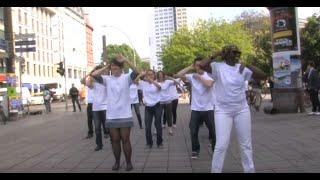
(121, 58)
(139, 77)
(257, 73)
(205, 63)
(206, 82)
(101, 71)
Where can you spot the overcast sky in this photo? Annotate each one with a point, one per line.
(132, 25)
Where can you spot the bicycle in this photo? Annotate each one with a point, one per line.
(306, 99)
(252, 99)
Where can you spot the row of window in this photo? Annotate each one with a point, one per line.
(39, 26)
(39, 55)
(47, 71)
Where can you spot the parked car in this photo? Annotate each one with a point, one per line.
(31, 100)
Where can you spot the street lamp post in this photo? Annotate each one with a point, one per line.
(133, 50)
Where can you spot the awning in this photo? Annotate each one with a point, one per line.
(35, 86)
(41, 86)
(27, 85)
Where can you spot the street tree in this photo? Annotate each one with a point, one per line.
(205, 37)
(310, 41)
(258, 25)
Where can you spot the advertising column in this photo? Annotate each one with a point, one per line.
(286, 59)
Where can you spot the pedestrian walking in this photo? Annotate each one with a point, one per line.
(313, 88)
(231, 106)
(271, 84)
(119, 115)
(74, 94)
(135, 102)
(47, 99)
(201, 104)
(151, 92)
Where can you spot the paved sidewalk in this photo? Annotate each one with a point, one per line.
(55, 143)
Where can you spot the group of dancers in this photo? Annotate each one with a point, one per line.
(217, 98)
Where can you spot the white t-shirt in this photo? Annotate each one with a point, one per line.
(99, 97)
(151, 94)
(89, 95)
(165, 95)
(118, 95)
(134, 94)
(173, 91)
(201, 95)
(230, 86)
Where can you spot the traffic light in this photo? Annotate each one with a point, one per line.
(60, 69)
(22, 65)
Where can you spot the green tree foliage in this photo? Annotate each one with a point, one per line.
(202, 40)
(258, 26)
(113, 50)
(310, 41)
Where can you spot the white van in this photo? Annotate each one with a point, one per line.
(31, 100)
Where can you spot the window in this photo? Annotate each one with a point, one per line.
(34, 56)
(19, 16)
(69, 73)
(20, 30)
(75, 74)
(49, 72)
(43, 60)
(44, 70)
(25, 18)
(34, 70)
(48, 58)
(79, 73)
(32, 23)
(28, 68)
(39, 71)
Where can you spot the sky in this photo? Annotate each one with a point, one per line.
(132, 25)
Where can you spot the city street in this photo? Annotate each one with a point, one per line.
(56, 143)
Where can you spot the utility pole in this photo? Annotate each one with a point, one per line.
(65, 83)
(9, 39)
(104, 47)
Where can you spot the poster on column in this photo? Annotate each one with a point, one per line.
(285, 34)
(282, 71)
(287, 71)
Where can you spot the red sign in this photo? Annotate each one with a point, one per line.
(3, 77)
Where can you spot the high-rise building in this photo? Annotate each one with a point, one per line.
(166, 21)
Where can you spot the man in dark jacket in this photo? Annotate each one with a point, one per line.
(74, 94)
(312, 80)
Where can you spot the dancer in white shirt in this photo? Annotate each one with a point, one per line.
(119, 115)
(231, 106)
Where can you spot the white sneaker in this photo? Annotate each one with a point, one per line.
(317, 113)
(155, 132)
(163, 126)
(174, 126)
(311, 113)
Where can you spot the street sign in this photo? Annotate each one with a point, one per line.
(25, 43)
(25, 36)
(29, 49)
(12, 91)
(3, 44)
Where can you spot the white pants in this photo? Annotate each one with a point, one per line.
(223, 125)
